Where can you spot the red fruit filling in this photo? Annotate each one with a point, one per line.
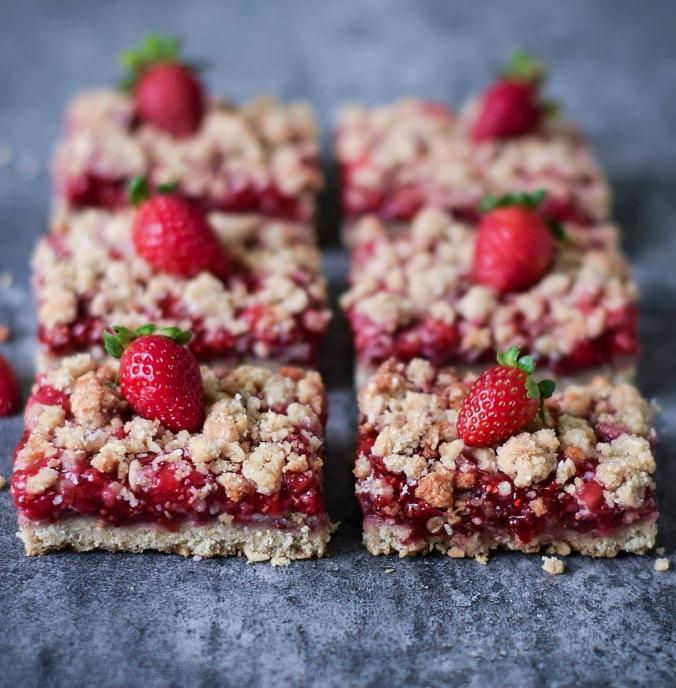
(440, 343)
(95, 191)
(542, 510)
(167, 498)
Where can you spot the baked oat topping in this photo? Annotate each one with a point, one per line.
(564, 474)
(261, 440)
(258, 157)
(413, 292)
(553, 566)
(400, 157)
(272, 305)
(662, 564)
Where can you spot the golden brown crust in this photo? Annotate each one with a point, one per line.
(256, 543)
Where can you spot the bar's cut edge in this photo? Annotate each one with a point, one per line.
(255, 542)
(387, 538)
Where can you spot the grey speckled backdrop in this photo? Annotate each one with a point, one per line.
(153, 620)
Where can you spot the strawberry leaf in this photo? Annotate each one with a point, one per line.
(522, 66)
(145, 329)
(530, 200)
(167, 188)
(557, 229)
(112, 345)
(527, 364)
(532, 390)
(546, 388)
(176, 334)
(509, 357)
(138, 190)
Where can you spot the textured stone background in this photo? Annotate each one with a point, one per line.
(153, 620)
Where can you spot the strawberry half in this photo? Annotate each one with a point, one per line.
(503, 401)
(173, 235)
(167, 92)
(514, 244)
(158, 376)
(512, 106)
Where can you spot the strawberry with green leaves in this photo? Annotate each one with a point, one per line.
(512, 107)
(514, 244)
(173, 235)
(503, 401)
(167, 92)
(158, 375)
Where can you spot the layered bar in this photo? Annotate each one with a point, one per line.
(91, 474)
(261, 157)
(399, 158)
(413, 294)
(271, 307)
(581, 480)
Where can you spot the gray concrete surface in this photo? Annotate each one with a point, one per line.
(152, 620)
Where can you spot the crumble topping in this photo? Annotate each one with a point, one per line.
(412, 144)
(407, 279)
(553, 565)
(256, 430)
(263, 144)
(528, 458)
(94, 268)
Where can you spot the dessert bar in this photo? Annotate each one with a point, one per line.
(579, 480)
(161, 123)
(91, 473)
(269, 306)
(414, 292)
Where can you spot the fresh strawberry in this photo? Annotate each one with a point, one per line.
(514, 245)
(158, 376)
(503, 401)
(173, 235)
(9, 388)
(511, 107)
(167, 92)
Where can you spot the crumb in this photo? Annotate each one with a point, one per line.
(6, 279)
(4, 333)
(481, 559)
(553, 565)
(661, 564)
(3, 482)
(5, 154)
(196, 557)
(660, 551)
(389, 571)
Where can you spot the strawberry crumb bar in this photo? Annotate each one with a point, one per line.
(89, 473)
(581, 480)
(258, 158)
(414, 294)
(398, 158)
(271, 306)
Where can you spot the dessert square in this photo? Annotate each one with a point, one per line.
(261, 157)
(412, 294)
(91, 474)
(271, 307)
(398, 158)
(581, 480)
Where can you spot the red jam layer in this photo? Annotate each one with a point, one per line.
(439, 343)
(96, 191)
(486, 511)
(401, 203)
(296, 344)
(167, 500)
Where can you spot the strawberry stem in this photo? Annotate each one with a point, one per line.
(116, 342)
(153, 49)
(531, 200)
(522, 66)
(534, 390)
(138, 190)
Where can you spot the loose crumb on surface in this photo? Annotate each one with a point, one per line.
(553, 565)
(662, 564)
(3, 482)
(389, 571)
(481, 559)
(660, 551)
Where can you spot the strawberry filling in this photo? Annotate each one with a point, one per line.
(483, 506)
(170, 494)
(97, 191)
(440, 343)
